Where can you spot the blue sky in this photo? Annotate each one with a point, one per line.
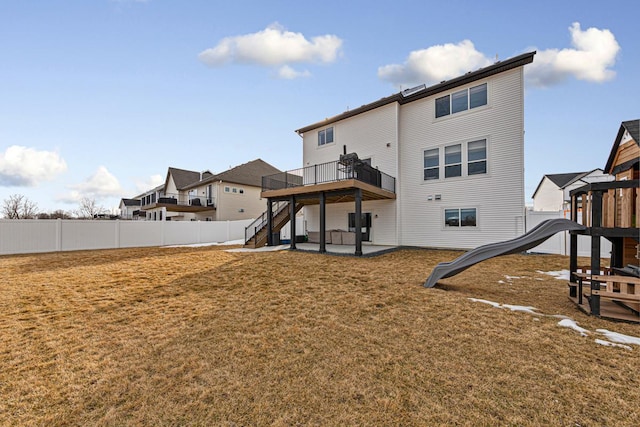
(98, 98)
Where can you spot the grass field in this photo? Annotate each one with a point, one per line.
(200, 336)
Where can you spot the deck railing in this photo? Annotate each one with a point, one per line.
(329, 172)
(182, 200)
(611, 204)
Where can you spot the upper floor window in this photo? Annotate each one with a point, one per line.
(325, 136)
(461, 100)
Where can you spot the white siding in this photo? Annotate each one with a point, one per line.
(383, 219)
(373, 135)
(498, 196)
(548, 197)
(365, 134)
(395, 136)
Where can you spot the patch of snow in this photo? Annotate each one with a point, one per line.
(501, 282)
(262, 249)
(199, 245)
(610, 344)
(570, 323)
(616, 337)
(484, 301)
(522, 308)
(512, 277)
(560, 274)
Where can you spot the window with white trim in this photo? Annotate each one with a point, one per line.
(431, 164)
(477, 157)
(455, 160)
(325, 136)
(463, 217)
(461, 100)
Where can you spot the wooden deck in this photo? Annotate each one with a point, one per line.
(307, 194)
(608, 310)
(619, 295)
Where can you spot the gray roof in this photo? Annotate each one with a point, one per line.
(131, 202)
(182, 177)
(631, 126)
(563, 180)
(403, 97)
(249, 173)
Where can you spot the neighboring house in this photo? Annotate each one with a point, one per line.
(438, 166)
(612, 210)
(204, 196)
(552, 193)
(129, 208)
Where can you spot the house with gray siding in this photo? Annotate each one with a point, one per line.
(439, 166)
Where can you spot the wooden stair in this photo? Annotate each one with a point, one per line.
(279, 221)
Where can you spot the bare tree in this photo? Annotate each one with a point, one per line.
(88, 208)
(17, 206)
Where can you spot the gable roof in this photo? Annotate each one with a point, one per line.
(249, 173)
(562, 180)
(631, 126)
(446, 85)
(182, 177)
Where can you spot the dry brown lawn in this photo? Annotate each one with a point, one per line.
(199, 336)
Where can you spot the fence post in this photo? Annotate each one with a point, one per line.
(228, 231)
(58, 235)
(117, 231)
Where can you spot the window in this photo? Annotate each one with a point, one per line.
(464, 159)
(459, 102)
(478, 96)
(432, 164)
(325, 136)
(227, 189)
(241, 191)
(235, 190)
(460, 217)
(477, 157)
(442, 106)
(453, 161)
(462, 100)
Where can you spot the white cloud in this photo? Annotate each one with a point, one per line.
(273, 46)
(27, 167)
(287, 73)
(153, 181)
(101, 185)
(594, 52)
(434, 64)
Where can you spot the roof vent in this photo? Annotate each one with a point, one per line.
(413, 90)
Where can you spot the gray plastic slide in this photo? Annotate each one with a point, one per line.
(533, 238)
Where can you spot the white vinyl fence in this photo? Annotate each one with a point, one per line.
(560, 243)
(52, 235)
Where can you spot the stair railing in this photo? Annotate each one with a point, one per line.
(261, 222)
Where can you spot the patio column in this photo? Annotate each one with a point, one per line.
(292, 219)
(269, 222)
(358, 221)
(323, 223)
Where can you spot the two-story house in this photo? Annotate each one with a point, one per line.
(203, 196)
(439, 166)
